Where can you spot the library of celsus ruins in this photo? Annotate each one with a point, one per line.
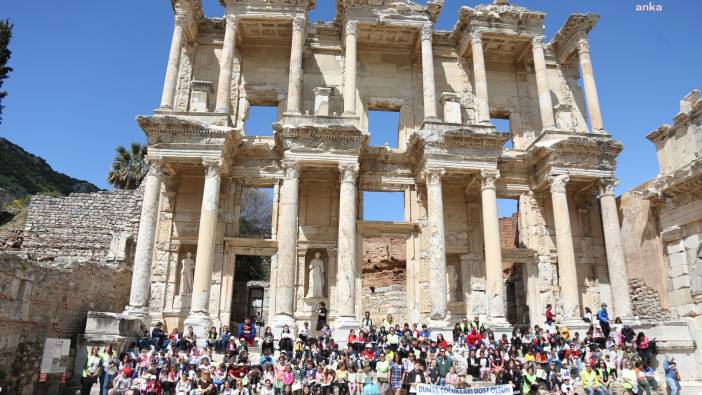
(453, 161)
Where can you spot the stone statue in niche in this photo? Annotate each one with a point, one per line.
(316, 277)
(186, 274)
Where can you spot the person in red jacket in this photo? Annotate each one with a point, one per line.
(473, 338)
(550, 316)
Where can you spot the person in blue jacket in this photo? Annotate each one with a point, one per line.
(603, 318)
(672, 377)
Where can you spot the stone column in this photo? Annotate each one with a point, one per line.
(350, 69)
(141, 272)
(347, 271)
(567, 271)
(224, 83)
(295, 80)
(437, 244)
(593, 103)
(616, 263)
(494, 285)
(287, 247)
(199, 317)
(171, 81)
(428, 72)
(481, 90)
(545, 104)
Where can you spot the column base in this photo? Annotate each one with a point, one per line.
(223, 111)
(279, 321)
(342, 326)
(165, 107)
(138, 313)
(201, 324)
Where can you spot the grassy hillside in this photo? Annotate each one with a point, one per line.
(23, 174)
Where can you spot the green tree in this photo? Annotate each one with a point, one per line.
(5, 35)
(128, 167)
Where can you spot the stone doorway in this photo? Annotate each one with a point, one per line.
(250, 293)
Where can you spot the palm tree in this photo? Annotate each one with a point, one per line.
(128, 167)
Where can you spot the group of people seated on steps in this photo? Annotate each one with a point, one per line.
(387, 357)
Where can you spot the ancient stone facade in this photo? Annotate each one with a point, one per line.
(451, 163)
(664, 218)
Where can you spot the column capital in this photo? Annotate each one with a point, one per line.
(426, 32)
(558, 182)
(232, 20)
(582, 44)
(180, 19)
(351, 27)
(476, 37)
(155, 164)
(488, 178)
(349, 172)
(537, 41)
(298, 23)
(606, 186)
(291, 169)
(213, 167)
(433, 175)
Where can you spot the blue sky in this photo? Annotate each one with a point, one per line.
(85, 68)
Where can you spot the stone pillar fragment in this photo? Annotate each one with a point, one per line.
(287, 246)
(494, 285)
(295, 79)
(199, 317)
(593, 102)
(437, 244)
(567, 270)
(481, 90)
(428, 72)
(545, 104)
(350, 69)
(347, 271)
(616, 262)
(224, 83)
(171, 81)
(141, 273)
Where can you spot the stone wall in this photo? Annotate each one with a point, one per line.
(83, 227)
(384, 278)
(38, 301)
(641, 242)
(646, 301)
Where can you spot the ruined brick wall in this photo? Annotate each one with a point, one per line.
(646, 302)
(82, 227)
(508, 231)
(38, 301)
(384, 278)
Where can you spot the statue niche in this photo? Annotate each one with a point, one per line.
(315, 277)
(187, 267)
